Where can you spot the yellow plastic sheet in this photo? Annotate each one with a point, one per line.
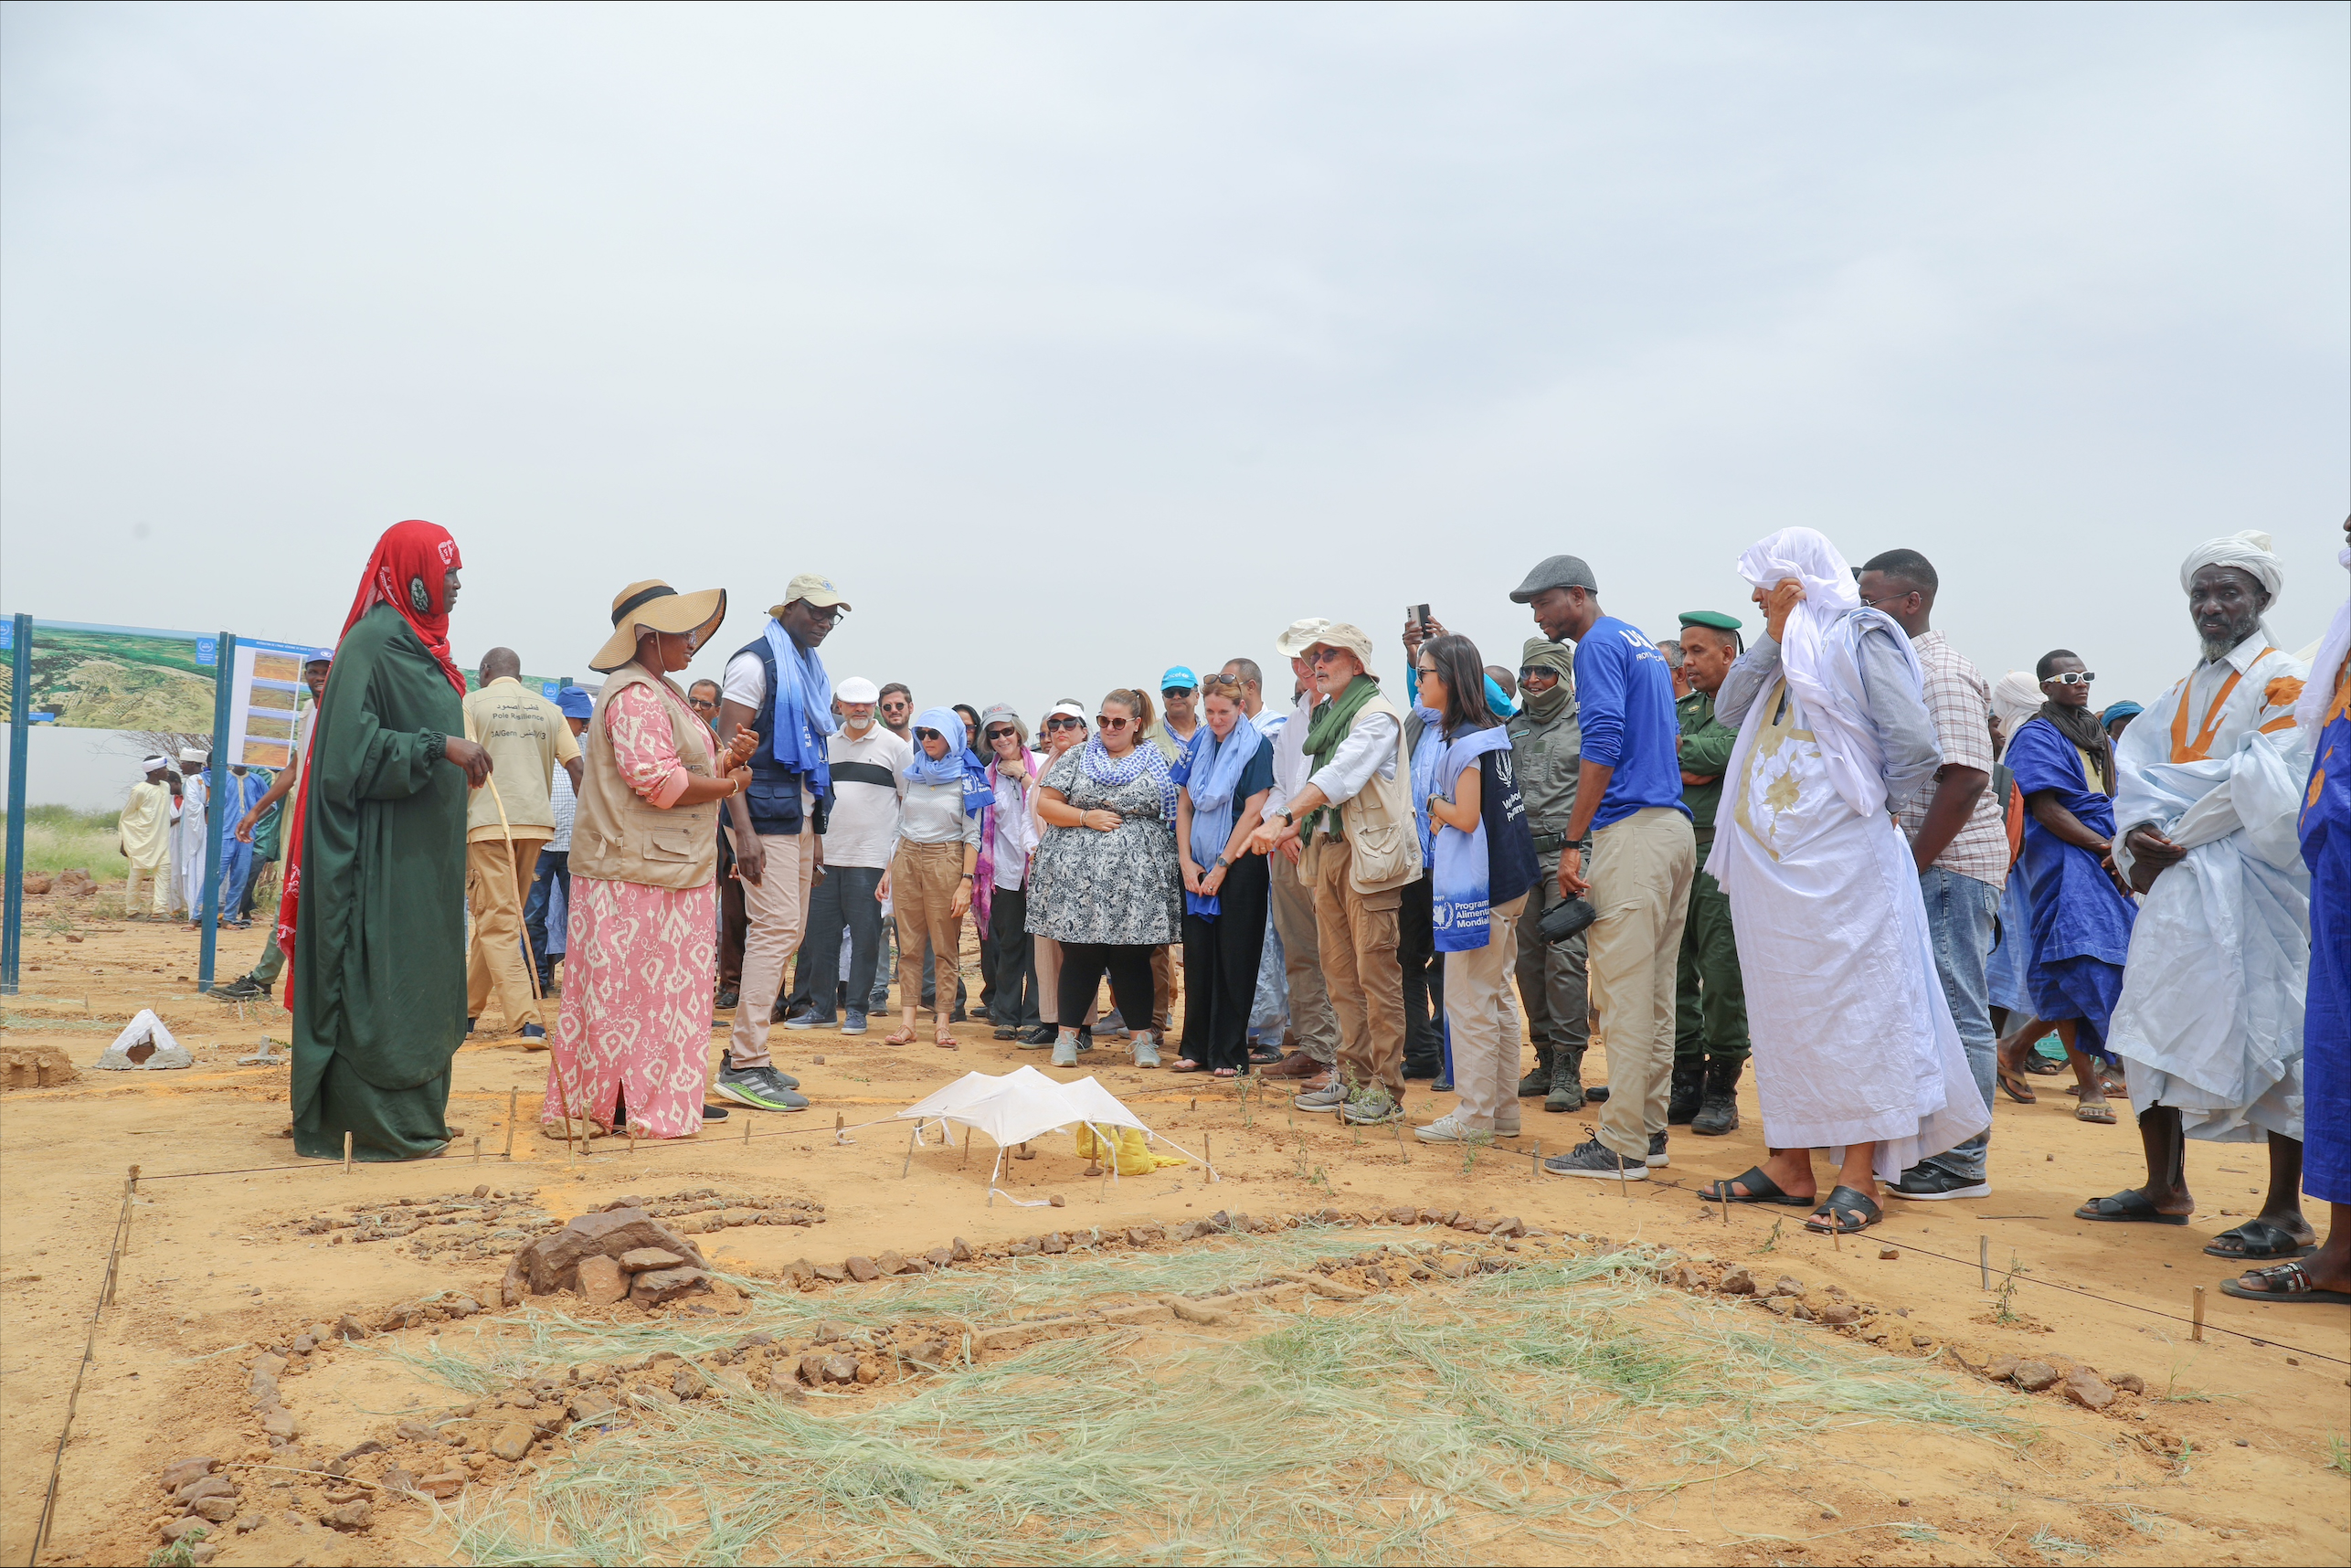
(1133, 1156)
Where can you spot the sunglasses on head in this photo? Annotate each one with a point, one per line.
(1065, 722)
(1105, 722)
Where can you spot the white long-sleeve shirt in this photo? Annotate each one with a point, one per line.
(934, 814)
(1369, 751)
(1290, 765)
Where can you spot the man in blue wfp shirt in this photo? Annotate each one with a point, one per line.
(1644, 853)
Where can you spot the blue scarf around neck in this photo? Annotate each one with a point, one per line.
(803, 699)
(1210, 772)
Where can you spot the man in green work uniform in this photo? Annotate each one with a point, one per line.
(1709, 1044)
(1546, 749)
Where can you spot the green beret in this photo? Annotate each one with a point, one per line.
(1713, 618)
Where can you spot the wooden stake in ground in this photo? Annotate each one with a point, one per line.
(2196, 1314)
(746, 1132)
(477, 1151)
(513, 1104)
(1535, 1162)
(1983, 1259)
(911, 1133)
(346, 1154)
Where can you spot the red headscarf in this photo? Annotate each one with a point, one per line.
(410, 572)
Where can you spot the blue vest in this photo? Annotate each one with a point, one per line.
(774, 797)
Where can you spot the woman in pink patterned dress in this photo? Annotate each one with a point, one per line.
(633, 1045)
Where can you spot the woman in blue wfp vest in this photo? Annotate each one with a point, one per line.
(1474, 835)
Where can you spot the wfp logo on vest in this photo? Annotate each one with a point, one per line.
(1446, 913)
(1502, 769)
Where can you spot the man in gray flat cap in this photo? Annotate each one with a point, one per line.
(1555, 572)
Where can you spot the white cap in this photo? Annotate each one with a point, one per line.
(190, 753)
(857, 689)
(1072, 709)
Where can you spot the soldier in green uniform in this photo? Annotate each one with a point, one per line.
(1546, 749)
(1710, 1045)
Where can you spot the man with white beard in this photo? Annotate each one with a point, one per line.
(1855, 1049)
(2210, 1027)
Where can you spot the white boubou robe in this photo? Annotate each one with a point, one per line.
(188, 844)
(2211, 1015)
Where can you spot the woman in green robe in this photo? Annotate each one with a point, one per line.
(374, 913)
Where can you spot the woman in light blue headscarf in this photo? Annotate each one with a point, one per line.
(1225, 773)
(933, 864)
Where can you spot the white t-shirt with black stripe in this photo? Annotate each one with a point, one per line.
(869, 781)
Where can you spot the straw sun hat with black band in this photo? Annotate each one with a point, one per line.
(654, 606)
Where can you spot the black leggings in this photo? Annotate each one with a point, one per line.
(1130, 964)
(1220, 967)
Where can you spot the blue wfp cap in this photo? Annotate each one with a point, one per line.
(1179, 678)
(575, 703)
(318, 656)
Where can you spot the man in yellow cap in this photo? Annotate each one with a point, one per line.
(778, 686)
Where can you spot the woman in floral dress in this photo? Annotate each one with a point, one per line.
(1105, 882)
(633, 1045)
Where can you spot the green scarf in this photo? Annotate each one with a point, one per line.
(1329, 726)
(1539, 654)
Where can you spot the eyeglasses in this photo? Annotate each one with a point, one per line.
(1892, 598)
(928, 734)
(1425, 671)
(1065, 722)
(2071, 678)
(1105, 722)
(899, 703)
(701, 705)
(1324, 654)
(999, 735)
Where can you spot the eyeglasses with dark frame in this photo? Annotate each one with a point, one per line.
(1004, 731)
(928, 734)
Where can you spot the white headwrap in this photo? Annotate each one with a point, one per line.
(2249, 552)
(154, 764)
(190, 753)
(2016, 699)
(1820, 669)
(2319, 689)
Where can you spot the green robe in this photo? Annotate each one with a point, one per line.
(379, 939)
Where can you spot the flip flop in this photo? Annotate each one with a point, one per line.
(2128, 1208)
(2015, 1088)
(2258, 1238)
(1760, 1189)
(2099, 1111)
(2297, 1287)
(900, 1037)
(1844, 1201)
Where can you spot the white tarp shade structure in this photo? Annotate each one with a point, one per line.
(1021, 1105)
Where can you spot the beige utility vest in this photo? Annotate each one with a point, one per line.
(1382, 834)
(619, 836)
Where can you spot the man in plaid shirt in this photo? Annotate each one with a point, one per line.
(1960, 844)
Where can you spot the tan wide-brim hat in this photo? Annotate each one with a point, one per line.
(1339, 634)
(654, 606)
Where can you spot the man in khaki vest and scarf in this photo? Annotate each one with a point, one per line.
(1355, 816)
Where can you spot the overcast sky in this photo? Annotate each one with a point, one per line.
(1074, 343)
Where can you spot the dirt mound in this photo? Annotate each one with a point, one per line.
(35, 1068)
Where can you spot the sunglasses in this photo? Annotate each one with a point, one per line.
(1170, 694)
(999, 735)
(899, 705)
(2071, 678)
(1425, 671)
(928, 734)
(700, 702)
(1065, 722)
(1107, 722)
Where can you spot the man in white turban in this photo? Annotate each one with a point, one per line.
(145, 829)
(2210, 1027)
(1855, 1049)
(188, 845)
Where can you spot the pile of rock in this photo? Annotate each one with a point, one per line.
(200, 1499)
(626, 1250)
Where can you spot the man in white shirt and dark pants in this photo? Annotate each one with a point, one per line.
(869, 781)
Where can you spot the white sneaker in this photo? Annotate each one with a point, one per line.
(1147, 1050)
(1450, 1129)
(1507, 1124)
(1065, 1051)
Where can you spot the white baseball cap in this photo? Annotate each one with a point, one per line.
(857, 689)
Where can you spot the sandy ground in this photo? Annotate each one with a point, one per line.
(2239, 1442)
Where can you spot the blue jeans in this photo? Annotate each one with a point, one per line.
(555, 866)
(845, 897)
(1959, 914)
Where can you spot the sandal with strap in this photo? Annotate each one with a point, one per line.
(2258, 1238)
(945, 1039)
(1760, 1189)
(2101, 1112)
(1844, 1202)
(2130, 1207)
(900, 1036)
(2293, 1284)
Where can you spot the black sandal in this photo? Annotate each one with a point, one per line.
(2258, 1238)
(1844, 1201)
(1760, 1189)
(2293, 1284)
(2128, 1208)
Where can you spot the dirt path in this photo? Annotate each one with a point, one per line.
(216, 1262)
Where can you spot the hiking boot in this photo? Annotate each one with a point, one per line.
(1689, 1091)
(1329, 1097)
(1566, 1092)
(1042, 1035)
(852, 1022)
(1006, 1032)
(1718, 1111)
(1370, 1106)
(1065, 1051)
(761, 1089)
(1538, 1082)
(1657, 1157)
(1450, 1129)
(1593, 1158)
